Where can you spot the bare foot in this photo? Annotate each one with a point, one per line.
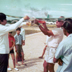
(17, 64)
(41, 57)
(24, 64)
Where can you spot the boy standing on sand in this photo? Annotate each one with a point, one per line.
(23, 34)
(18, 45)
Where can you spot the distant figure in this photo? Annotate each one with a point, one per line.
(18, 45)
(4, 42)
(55, 37)
(64, 50)
(11, 46)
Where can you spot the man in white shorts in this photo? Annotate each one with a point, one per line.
(55, 37)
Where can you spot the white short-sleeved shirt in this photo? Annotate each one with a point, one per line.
(52, 44)
(22, 33)
(18, 39)
(64, 51)
(53, 41)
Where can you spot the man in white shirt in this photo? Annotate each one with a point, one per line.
(4, 43)
(55, 37)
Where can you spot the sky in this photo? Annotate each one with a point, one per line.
(37, 8)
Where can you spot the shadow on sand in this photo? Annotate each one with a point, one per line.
(30, 62)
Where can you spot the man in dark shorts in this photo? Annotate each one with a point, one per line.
(11, 46)
(4, 43)
(18, 45)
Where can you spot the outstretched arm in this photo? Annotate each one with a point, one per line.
(6, 29)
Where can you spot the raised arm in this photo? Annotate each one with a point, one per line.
(44, 29)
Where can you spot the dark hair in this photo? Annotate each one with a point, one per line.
(68, 20)
(18, 29)
(68, 25)
(2, 16)
(10, 32)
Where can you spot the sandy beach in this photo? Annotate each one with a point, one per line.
(33, 49)
(34, 45)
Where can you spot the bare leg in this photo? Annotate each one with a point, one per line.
(45, 65)
(8, 64)
(13, 58)
(17, 58)
(51, 67)
(22, 57)
(48, 67)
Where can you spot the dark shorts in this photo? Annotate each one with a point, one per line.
(12, 51)
(3, 62)
(19, 49)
